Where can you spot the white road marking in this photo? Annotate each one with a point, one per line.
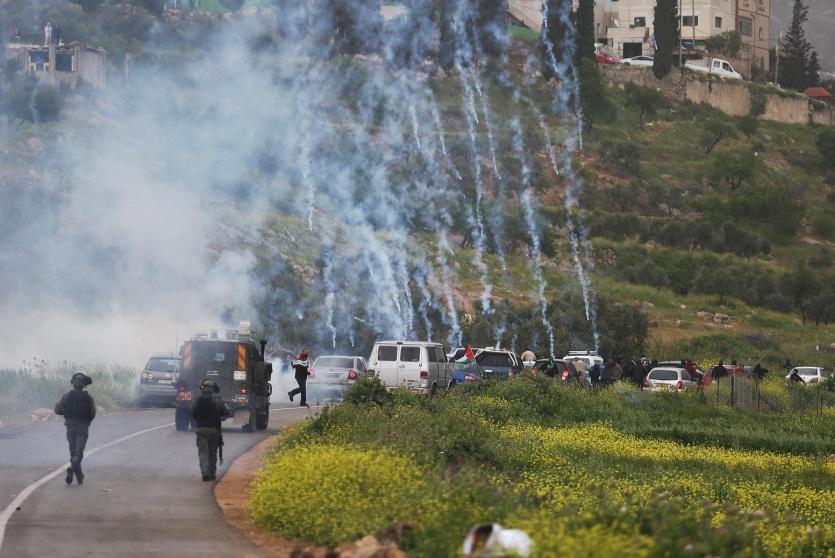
(6, 515)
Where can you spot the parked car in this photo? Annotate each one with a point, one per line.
(331, 375)
(498, 364)
(809, 374)
(714, 66)
(465, 373)
(603, 58)
(669, 379)
(157, 383)
(644, 61)
(416, 365)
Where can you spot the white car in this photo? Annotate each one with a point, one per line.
(645, 61)
(669, 379)
(715, 66)
(810, 374)
(416, 365)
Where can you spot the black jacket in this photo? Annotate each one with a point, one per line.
(207, 410)
(77, 407)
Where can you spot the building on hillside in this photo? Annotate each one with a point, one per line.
(625, 26)
(69, 63)
(819, 94)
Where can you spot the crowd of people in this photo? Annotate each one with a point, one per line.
(608, 372)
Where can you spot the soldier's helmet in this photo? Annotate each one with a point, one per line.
(209, 386)
(81, 378)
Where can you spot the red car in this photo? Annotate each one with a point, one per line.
(604, 58)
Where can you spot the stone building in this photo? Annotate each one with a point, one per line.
(69, 63)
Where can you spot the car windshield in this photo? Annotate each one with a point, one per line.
(334, 362)
(163, 364)
(663, 375)
(808, 371)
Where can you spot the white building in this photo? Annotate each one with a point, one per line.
(625, 26)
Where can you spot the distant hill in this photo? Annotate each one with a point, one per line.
(820, 29)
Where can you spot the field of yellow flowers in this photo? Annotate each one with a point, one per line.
(613, 472)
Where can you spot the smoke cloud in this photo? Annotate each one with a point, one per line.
(267, 178)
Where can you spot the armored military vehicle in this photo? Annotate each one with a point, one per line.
(237, 365)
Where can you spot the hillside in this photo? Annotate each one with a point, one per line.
(424, 203)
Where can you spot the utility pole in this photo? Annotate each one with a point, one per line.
(680, 35)
(693, 21)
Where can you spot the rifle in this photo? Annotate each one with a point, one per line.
(220, 445)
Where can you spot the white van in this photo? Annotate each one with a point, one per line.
(416, 365)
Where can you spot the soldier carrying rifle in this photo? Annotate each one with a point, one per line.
(207, 412)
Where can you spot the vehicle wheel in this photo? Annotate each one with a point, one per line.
(433, 391)
(450, 385)
(182, 418)
(262, 419)
(250, 425)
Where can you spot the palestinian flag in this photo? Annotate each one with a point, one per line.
(469, 356)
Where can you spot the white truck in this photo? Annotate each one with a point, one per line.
(716, 66)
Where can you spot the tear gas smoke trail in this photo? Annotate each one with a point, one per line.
(530, 219)
(415, 128)
(426, 298)
(498, 220)
(569, 87)
(444, 223)
(307, 181)
(474, 215)
(436, 119)
(455, 333)
(499, 333)
(329, 304)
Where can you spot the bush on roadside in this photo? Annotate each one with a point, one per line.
(334, 493)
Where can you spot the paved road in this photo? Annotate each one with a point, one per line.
(141, 497)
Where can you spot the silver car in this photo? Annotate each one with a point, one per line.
(669, 379)
(331, 375)
(157, 383)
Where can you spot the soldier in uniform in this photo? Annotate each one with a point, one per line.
(78, 410)
(206, 412)
(302, 368)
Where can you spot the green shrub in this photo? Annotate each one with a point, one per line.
(367, 390)
(330, 494)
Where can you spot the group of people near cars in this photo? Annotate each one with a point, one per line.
(608, 372)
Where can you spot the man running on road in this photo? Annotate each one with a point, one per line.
(79, 410)
(302, 367)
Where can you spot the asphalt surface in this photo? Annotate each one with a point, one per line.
(141, 497)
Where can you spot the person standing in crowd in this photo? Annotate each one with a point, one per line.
(528, 356)
(796, 377)
(78, 409)
(580, 366)
(207, 411)
(302, 368)
(594, 374)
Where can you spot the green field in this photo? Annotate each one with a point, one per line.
(583, 472)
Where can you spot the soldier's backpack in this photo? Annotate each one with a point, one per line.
(79, 406)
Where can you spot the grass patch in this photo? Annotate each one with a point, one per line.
(42, 385)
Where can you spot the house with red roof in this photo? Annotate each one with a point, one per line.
(819, 94)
